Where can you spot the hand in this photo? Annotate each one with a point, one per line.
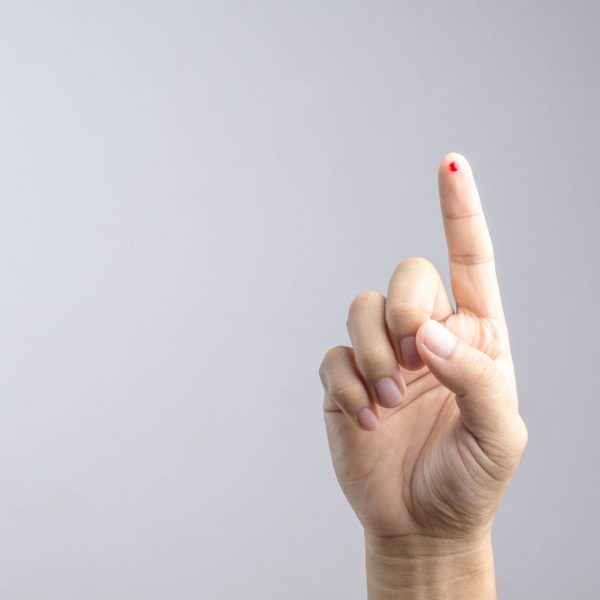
(421, 413)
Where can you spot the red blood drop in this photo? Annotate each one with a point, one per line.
(453, 166)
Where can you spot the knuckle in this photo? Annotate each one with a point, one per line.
(365, 301)
(416, 262)
(414, 265)
(332, 356)
(406, 312)
(346, 394)
(372, 362)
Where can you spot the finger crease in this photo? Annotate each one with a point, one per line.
(471, 259)
(463, 216)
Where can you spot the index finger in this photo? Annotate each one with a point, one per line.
(470, 251)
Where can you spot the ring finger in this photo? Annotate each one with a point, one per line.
(373, 350)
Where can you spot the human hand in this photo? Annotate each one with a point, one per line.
(421, 413)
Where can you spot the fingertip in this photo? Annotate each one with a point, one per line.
(367, 419)
(458, 191)
(452, 163)
(411, 358)
(390, 392)
(419, 334)
(439, 340)
(429, 344)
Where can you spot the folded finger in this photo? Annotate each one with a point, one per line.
(415, 294)
(373, 349)
(343, 383)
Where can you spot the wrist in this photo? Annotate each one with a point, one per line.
(420, 567)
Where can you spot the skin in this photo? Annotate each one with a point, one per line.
(425, 476)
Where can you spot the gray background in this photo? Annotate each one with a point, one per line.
(192, 193)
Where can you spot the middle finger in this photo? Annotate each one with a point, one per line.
(415, 294)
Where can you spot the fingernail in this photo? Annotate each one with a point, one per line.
(388, 392)
(368, 419)
(438, 339)
(408, 350)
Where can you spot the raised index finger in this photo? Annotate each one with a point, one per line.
(470, 251)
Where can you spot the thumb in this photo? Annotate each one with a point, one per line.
(485, 394)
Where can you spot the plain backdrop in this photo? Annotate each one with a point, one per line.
(191, 195)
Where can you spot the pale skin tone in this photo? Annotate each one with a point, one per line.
(421, 413)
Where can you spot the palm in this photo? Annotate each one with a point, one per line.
(413, 475)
